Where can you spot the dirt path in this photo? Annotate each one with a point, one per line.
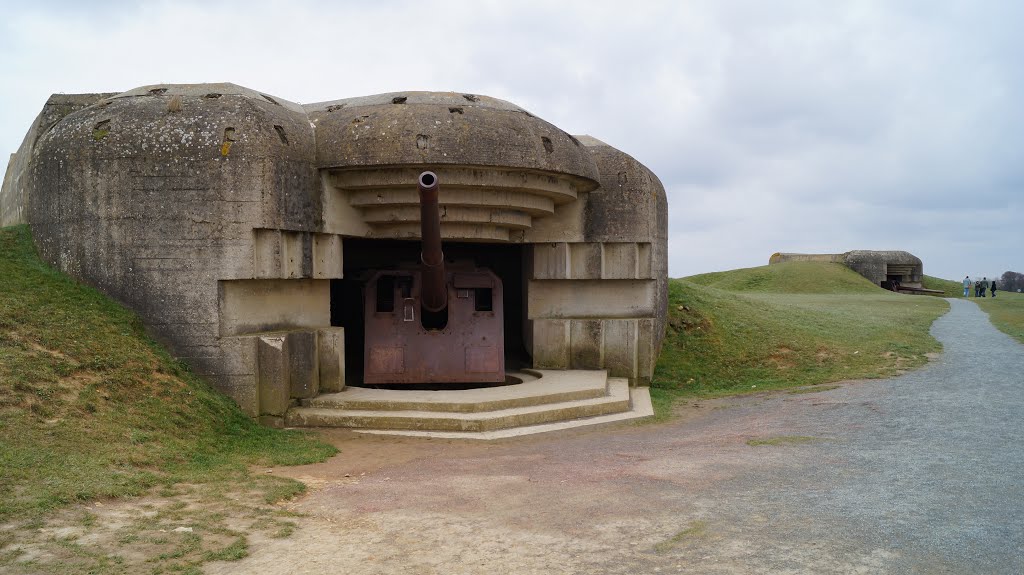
(918, 474)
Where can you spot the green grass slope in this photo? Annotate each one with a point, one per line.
(793, 324)
(91, 408)
(948, 288)
(788, 277)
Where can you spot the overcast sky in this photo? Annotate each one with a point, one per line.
(783, 125)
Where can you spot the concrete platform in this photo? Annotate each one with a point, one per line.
(537, 387)
(641, 408)
(546, 400)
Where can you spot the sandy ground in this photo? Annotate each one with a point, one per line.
(918, 474)
(689, 497)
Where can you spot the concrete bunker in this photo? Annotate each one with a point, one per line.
(250, 232)
(892, 270)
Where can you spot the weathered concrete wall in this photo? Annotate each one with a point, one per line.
(153, 196)
(12, 203)
(442, 128)
(594, 305)
(17, 183)
(618, 234)
(254, 306)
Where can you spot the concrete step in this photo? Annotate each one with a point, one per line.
(539, 387)
(616, 401)
(640, 397)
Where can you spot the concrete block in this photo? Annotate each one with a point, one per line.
(327, 256)
(267, 253)
(339, 215)
(237, 259)
(275, 421)
(331, 353)
(619, 261)
(238, 355)
(630, 205)
(303, 365)
(551, 344)
(273, 375)
(643, 261)
(241, 388)
(566, 224)
(645, 350)
(620, 347)
(254, 306)
(550, 261)
(586, 343)
(585, 299)
(292, 255)
(585, 261)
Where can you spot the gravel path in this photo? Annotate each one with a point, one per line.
(924, 473)
(917, 474)
(939, 466)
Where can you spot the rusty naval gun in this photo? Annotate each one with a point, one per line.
(436, 322)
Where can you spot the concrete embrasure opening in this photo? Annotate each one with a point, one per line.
(364, 259)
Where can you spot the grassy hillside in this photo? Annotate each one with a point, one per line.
(788, 277)
(948, 288)
(742, 331)
(1006, 311)
(91, 408)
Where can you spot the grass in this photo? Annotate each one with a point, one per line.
(948, 288)
(786, 325)
(788, 278)
(92, 409)
(1006, 311)
(814, 389)
(783, 440)
(694, 530)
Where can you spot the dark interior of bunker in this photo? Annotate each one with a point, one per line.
(364, 257)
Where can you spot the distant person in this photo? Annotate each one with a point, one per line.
(967, 285)
(993, 288)
(977, 288)
(984, 286)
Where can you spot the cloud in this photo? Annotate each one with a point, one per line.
(790, 125)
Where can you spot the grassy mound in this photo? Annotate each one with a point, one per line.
(755, 335)
(1006, 311)
(789, 277)
(91, 408)
(948, 288)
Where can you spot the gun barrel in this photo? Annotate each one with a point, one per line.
(434, 291)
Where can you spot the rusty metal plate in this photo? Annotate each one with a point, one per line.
(468, 349)
(482, 359)
(386, 360)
